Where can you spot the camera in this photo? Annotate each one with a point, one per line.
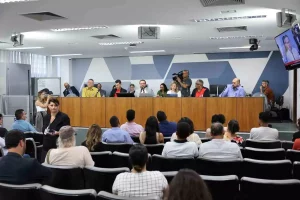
(179, 74)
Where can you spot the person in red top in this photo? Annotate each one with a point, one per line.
(266, 90)
(200, 90)
(117, 89)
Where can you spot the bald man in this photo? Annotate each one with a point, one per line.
(234, 90)
(70, 90)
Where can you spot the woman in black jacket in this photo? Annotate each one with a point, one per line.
(200, 91)
(117, 89)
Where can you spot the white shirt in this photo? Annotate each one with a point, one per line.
(73, 156)
(40, 109)
(264, 133)
(148, 183)
(192, 138)
(180, 149)
(2, 145)
(220, 149)
(172, 92)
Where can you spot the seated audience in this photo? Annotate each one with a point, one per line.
(214, 119)
(200, 90)
(296, 145)
(193, 137)
(181, 147)
(218, 148)
(139, 182)
(187, 184)
(264, 132)
(231, 133)
(67, 153)
(117, 89)
(131, 127)
(20, 123)
(94, 139)
(14, 169)
(3, 131)
(115, 134)
(166, 128)
(151, 135)
(297, 134)
(162, 92)
(174, 90)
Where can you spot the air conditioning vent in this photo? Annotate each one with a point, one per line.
(230, 29)
(207, 3)
(43, 16)
(110, 36)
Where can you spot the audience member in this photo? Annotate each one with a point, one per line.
(94, 139)
(67, 153)
(102, 92)
(41, 105)
(296, 145)
(70, 90)
(115, 134)
(166, 128)
(130, 126)
(231, 133)
(295, 135)
(144, 89)
(218, 148)
(117, 89)
(214, 119)
(162, 92)
(139, 182)
(187, 184)
(264, 132)
(174, 90)
(3, 131)
(20, 123)
(52, 124)
(14, 169)
(200, 90)
(181, 147)
(193, 137)
(131, 88)
(90, 90)
(151, 135)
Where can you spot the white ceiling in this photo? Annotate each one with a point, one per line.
(124, 16)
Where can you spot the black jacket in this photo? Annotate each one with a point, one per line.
(3, 132)
(206, 93)
(74, 90)
(113, 92)
(14, 169)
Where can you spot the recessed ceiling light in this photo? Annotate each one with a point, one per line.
(120, 43)
(61, 55)
(236, 37)
(24, 48)
(15, 1)
(228, 18)
(242, 47)
(152, 51)
(78, 28)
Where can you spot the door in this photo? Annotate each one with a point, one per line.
(18, 79)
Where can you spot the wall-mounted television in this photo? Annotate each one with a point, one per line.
(288, 44)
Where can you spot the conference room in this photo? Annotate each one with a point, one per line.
(131, 99)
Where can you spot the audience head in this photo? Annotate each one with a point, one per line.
(217, 130)
(143, 83)
(53, 106)
(15, 142)
(218, 118)
(90, 83)
(161, 116)
(20, 114)
(163, 87)
(138, 156)
(1, 119)
(99, 86)
(66, 137)
(185, 73)
(174, 87)
(264, 118)
(236, 82)
(67, 86)
(151, 127)
(187, 184)
(183, 130)
(199, 84)
(114, 121)
(118, 84)
(233, 127)
(132, 87)
(130, 115)
(189, 121)
(93, 136)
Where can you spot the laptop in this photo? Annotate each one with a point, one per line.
(123, 94)
(146, 95)
(172, 95)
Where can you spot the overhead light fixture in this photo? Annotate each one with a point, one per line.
(62, 55)
(78, 28)
(24, 48)
(228, 18)
(15, 1)
(120, 43)
(152, 51)
(236, 37)
(242, 47)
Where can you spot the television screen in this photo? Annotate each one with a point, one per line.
(288, 43)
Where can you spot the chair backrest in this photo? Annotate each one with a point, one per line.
(293, 155)
(31, 149)
(260, 189)
(24, 192)
(263, 154)
(167, 139)
(51, 193)
(120, 147)
(101, 179)
(296, 170)
(287, 145)
(102, 159)
(65, 177)
(203, 140)
(218, 167)
(169, 175)
(108, 196)
(120, 160)
(276, 170)
(155, 148)
(263, 144)
(164, 164)
(135, 139)
(1, 152)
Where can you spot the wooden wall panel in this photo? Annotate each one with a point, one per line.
(171, 106)
(195, 109)
(143, 109)
(93, 112)
(117, 107)
(71, 106)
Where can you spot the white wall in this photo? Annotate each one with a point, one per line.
(288, 96)
(298, 93)
(64, 73)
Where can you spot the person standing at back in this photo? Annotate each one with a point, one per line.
(131, 127)
(20, 123)
(90, 90)
(166, 128)
(185, 84)
(41, 105)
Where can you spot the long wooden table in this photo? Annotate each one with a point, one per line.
(84, 112)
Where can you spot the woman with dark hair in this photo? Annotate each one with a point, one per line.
(162, 92)
(231, 133)
(151, 135)
(94, 139)
(187, 184)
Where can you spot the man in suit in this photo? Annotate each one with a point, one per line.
(117, 89)
(14, 169)
(70, 90)
(102, 92)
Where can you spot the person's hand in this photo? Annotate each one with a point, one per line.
(56, 133)
(178, 79)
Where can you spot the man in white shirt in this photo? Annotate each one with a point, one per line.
(264, 132)
(218, 148)
(144, 89)
(181, 147)
(131, 127)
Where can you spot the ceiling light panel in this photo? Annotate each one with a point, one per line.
(15, 1)
(24, 48)
(229, 18)
(78, 28)
(120, 43)
(62, 55)
(236, 37)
